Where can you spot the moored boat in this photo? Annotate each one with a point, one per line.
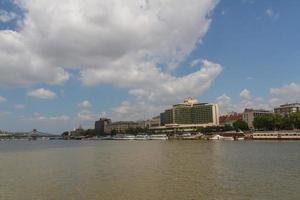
(159, 137)
(123, 137)
(142, 137)
(219, 137)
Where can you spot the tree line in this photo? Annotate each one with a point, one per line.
(275, 122)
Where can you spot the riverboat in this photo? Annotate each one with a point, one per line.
(276, 136)
(159, 137)
(142, 137)
(219, 137)
(124, 137)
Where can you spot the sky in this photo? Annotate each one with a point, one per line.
(66, 63)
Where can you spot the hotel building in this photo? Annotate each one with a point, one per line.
(287, 109)
(188, 116)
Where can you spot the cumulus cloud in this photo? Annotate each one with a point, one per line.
(7, 16)
(271, 14)
(130, 44)
(20, 66)
(42, 94)
(225, 104)
(162, 90)
(19, 106)
(4, 113)
(245, 94)
(288, 93)
(100, 37)
(2, 99)
(86, 115)
(41, 118)
(84, 104)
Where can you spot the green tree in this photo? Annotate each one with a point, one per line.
(240, 125)
(264, 122)
(278, 122)
(295, 120)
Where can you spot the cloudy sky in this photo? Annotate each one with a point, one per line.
(65, 63)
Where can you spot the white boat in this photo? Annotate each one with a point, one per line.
(219, 137)
(142, 137)
(123, 137)
(159, 137)
(276, 136)
(191, 137)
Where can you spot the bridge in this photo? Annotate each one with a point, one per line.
(32, 135)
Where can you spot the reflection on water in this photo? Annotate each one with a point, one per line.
(149, 170)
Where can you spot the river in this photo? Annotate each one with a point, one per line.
(134, 170)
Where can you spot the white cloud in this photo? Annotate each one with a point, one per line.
(84, 104)
(288, 93)
(86, 115)
(20, 66)
(271, 14)
(225, 104)
(19, 106)
(42, 94)
(4, 113)
(101, 37)
(41, 118)
(245, 94)
(129, 44)
(136, 110)
(7, 16)
(2, 99)
(162, 90)
(195, 62)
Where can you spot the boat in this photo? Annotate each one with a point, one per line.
(219, 137)
(123, 137)
(142, 137)
(159, 137)
(276, 136)
(189, 136)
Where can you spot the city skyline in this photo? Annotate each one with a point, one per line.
(68, 63)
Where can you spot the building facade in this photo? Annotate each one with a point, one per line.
(188, 116)
(230, 118)
(154, 122)
(287, 109)
(101, 124)
(121, 126)
(250, 114)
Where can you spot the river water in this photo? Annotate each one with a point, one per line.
(167, 170)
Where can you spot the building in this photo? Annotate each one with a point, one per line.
(101, 124)
(230, 118)
(121, 126)
(154, 122)
(188, 116)
(250, 114)
(287, 109)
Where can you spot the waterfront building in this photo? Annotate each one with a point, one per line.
(286, 109)
(154, 122)
(188, 116)
(121, 126)
(230, 118)
(76, 132)
(101, 124)
(249, 115)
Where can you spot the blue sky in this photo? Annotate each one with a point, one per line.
(251, 48)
